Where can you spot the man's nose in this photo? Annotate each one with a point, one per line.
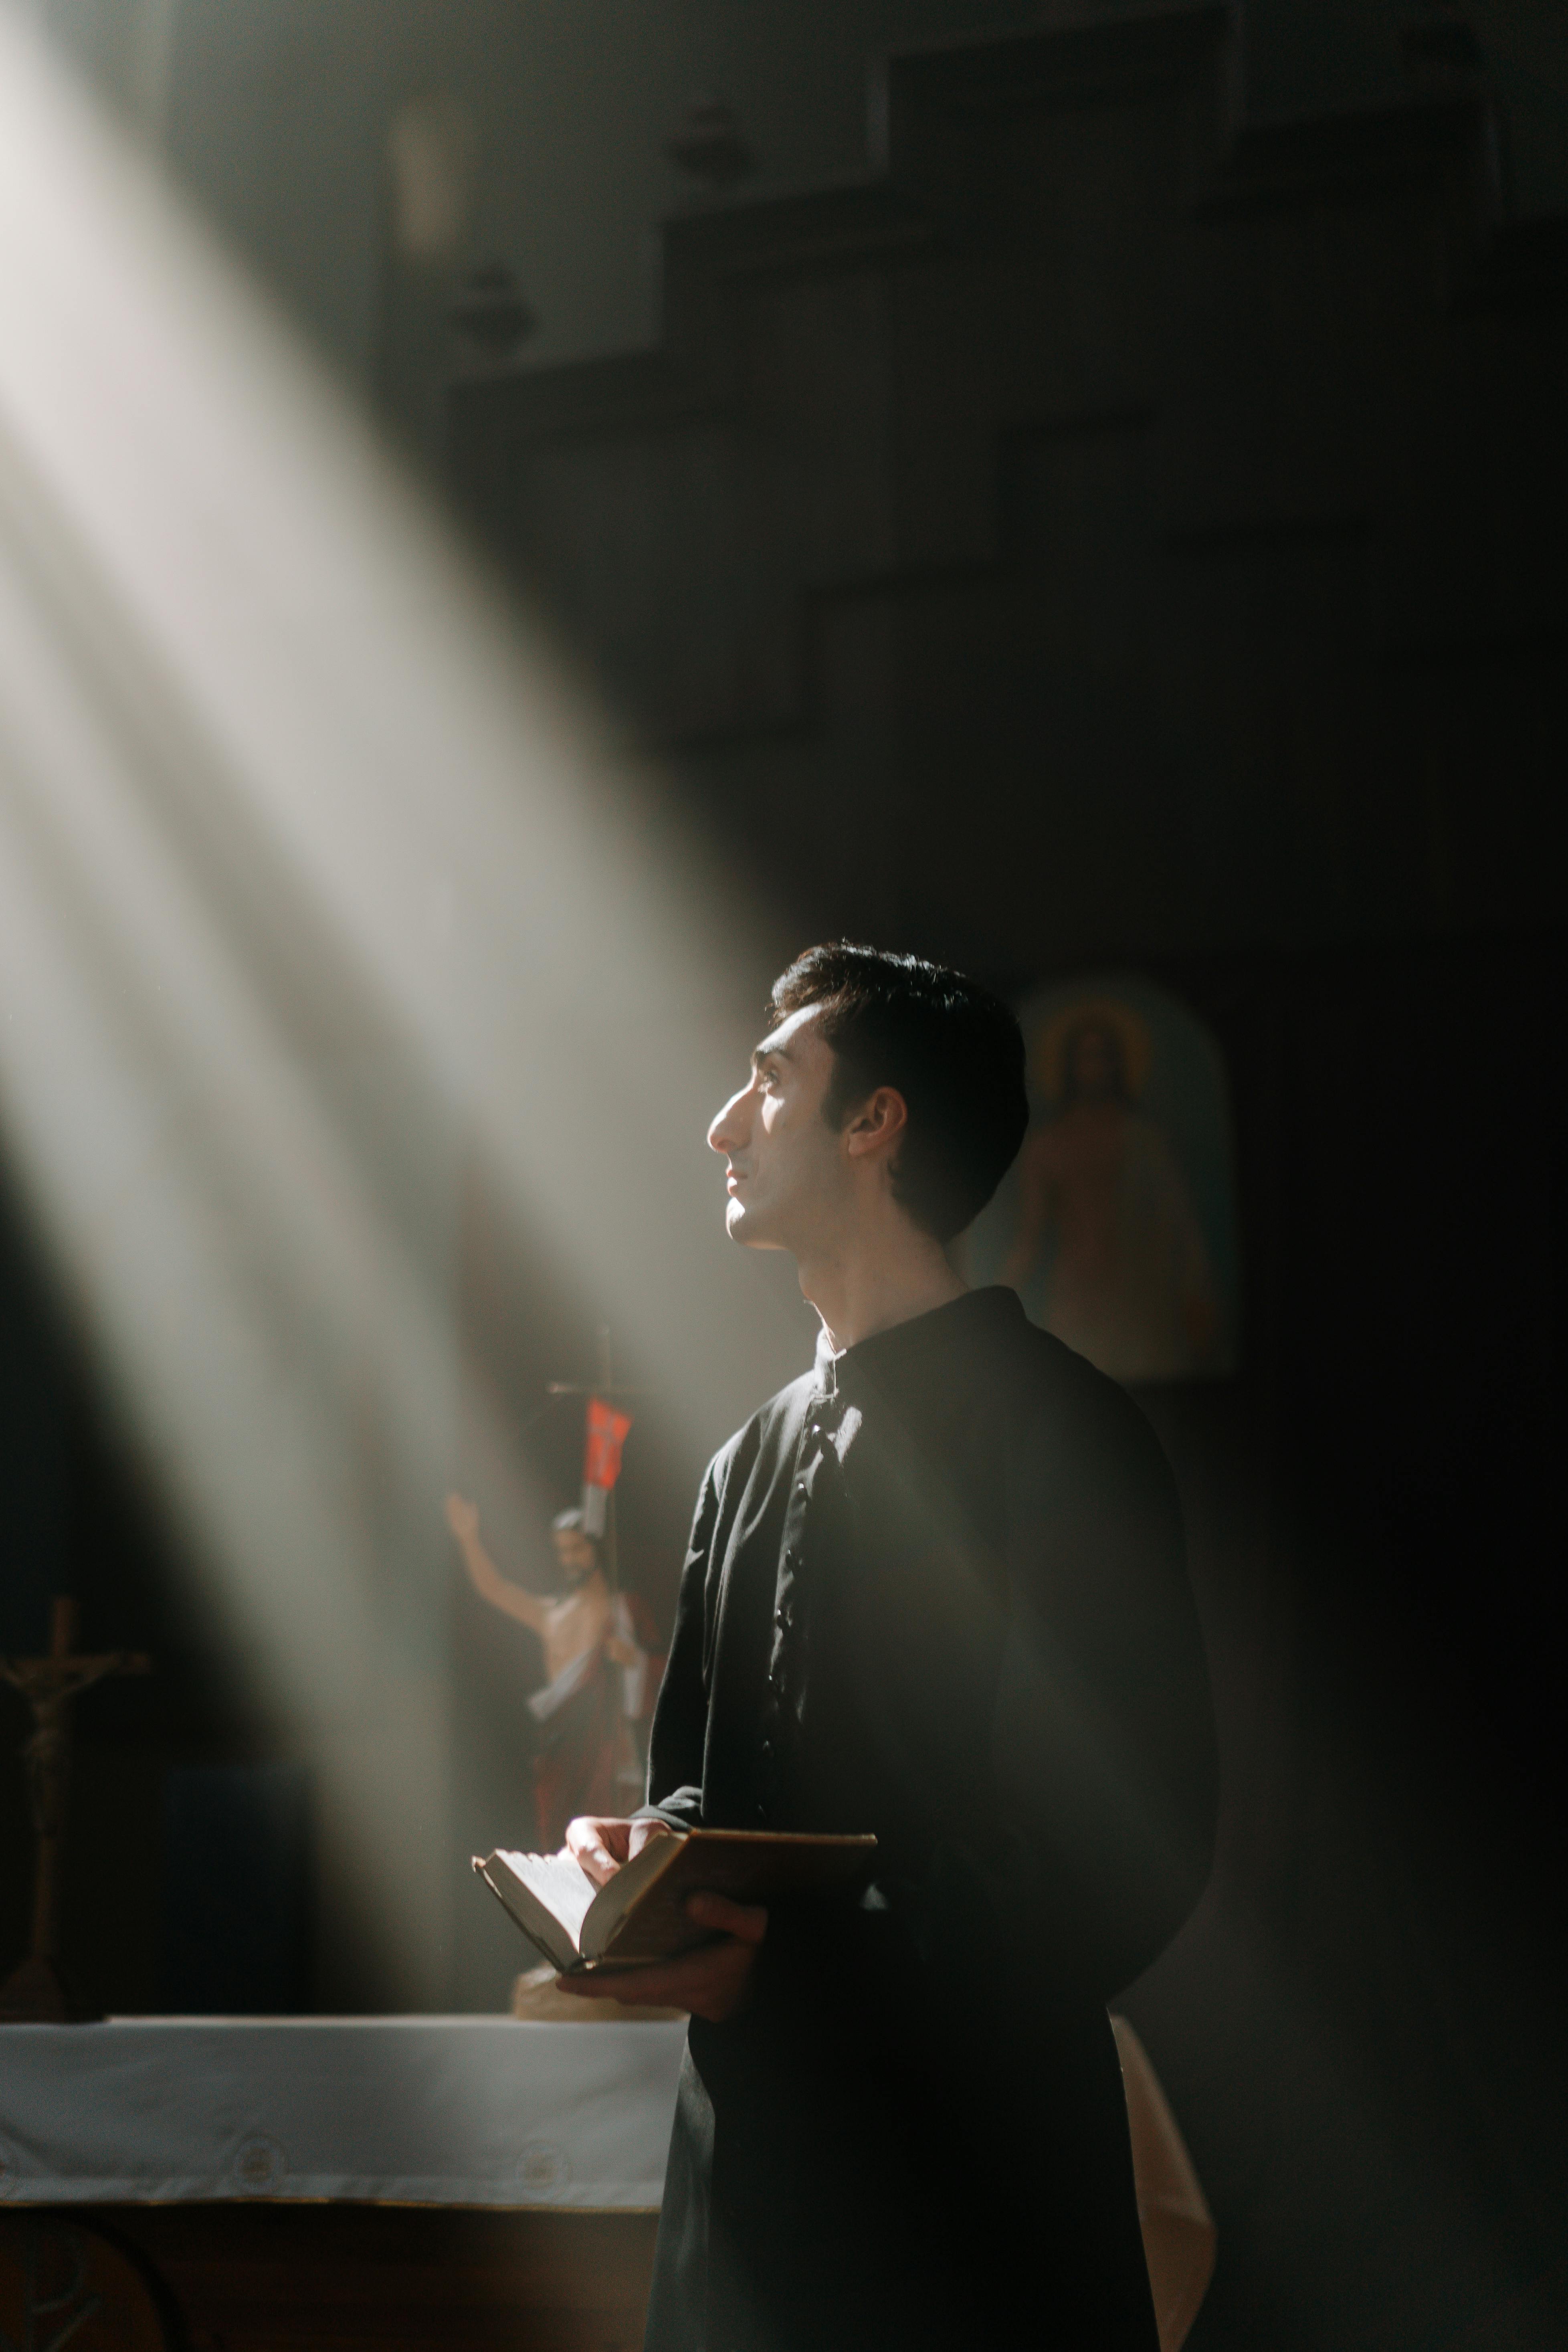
(729, 1129)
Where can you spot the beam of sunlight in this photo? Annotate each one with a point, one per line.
(319, 877)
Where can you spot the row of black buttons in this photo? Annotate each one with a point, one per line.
(786, 1613)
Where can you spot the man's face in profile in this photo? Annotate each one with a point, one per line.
(785, 1164)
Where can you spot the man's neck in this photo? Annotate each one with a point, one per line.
(858, 1292)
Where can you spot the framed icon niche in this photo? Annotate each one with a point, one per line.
(1117, 1223)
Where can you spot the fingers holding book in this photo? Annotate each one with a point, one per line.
(601, 1845)
(660, 1918)
(711, 1982)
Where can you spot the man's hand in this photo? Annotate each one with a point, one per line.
(711, 1982)
(601, 1845)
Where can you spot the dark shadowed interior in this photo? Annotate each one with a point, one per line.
(1101, 522)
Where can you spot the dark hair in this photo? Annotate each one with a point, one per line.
(953, 1050)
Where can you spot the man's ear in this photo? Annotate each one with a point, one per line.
(877, 1126)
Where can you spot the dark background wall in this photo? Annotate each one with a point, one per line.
(1125, 532)
(276, 114)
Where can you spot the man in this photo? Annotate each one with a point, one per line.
(589, 1719)
(935, 1589)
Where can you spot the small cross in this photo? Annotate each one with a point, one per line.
(33, 1990)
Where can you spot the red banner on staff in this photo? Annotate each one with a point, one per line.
(601, 1453)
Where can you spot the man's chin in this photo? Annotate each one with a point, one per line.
(742, 1226)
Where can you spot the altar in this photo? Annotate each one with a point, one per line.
(387, 2184)
(253, 2184)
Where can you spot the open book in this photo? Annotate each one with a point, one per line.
(640, 1915)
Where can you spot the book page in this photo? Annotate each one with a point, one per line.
(622, 1892)
(560, 1884)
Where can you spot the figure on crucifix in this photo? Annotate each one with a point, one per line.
(602, 1670)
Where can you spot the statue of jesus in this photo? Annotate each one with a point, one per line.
(592, 1721)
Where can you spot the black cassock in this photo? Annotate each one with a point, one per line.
(935, 1589)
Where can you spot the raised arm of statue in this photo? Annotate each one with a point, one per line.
(485, 1577)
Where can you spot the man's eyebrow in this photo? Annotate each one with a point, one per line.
(766, 1052)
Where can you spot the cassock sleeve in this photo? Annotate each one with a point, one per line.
(1104, 1749)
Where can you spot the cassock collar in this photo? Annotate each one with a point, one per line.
(977, 1319)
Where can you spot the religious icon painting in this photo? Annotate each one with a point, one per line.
(1117, 1223)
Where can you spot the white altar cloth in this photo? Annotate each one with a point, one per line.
(404, 2110)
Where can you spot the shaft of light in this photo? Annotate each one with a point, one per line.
(318, 875)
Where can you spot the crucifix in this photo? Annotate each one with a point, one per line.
(33, 1993)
